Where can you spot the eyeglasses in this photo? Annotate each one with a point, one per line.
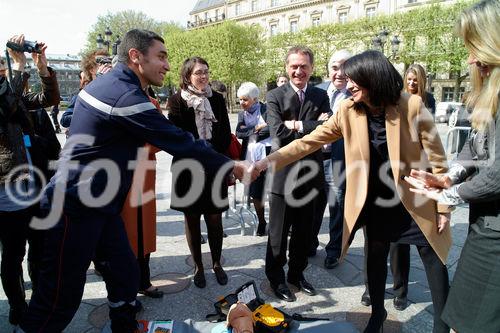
(201, 73)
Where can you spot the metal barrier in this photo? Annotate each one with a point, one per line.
(455, 139)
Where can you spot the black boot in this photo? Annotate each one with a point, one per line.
(123, 319)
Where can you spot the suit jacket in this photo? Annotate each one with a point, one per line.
(283, 104)
(412, 141)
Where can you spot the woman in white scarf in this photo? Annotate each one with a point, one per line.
(202, 112)
(256, 142)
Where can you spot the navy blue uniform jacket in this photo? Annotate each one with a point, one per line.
(114, 117)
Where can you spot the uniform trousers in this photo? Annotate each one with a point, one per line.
(69, 248)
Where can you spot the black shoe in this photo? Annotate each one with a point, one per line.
(123, 318)
(199, 279)
(283, 292)
(331, 262)
(153, 293)
(376, 323)
(138, 306)
(400, 303)
(365, 299)
(304, 286)
(203, 240)
(261, 229)
(220, 275)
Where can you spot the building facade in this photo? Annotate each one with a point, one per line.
(279, 16)
(282, 16)
(67, 69)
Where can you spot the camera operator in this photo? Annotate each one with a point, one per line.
(94, 64)
(26, 145)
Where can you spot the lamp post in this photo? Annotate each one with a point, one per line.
(380, 40)
(107, 41)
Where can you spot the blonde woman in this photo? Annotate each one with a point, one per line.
(473, 304)
(415, 81)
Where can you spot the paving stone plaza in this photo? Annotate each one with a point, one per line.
(339, 289)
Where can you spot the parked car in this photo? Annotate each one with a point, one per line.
(445, 109)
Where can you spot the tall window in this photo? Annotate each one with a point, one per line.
(343, 17)
(206, 16)
(370, 12)
(448, 94)
(237, 9)
(254, 5)
(294, 27)
(316, 21)
(273, 29)
(216, 14)
(274, 3)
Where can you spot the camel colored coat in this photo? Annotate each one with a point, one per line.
(412, 141)
(142, 193)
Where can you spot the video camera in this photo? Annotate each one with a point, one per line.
(101, 60)
(28, 46)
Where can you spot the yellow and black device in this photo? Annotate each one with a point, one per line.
(267, 319)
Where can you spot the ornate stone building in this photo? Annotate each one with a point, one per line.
(278, 16)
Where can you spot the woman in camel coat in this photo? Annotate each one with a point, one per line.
(386, 134)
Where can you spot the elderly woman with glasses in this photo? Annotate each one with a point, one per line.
(198, 109)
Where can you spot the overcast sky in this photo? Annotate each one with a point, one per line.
(63, 24)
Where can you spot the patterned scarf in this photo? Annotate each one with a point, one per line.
(204, 116)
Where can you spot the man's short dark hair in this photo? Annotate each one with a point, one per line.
(373, 71)
(139, 39)
(302, 50)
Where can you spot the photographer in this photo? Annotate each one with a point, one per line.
(26, 145)
(93, 64)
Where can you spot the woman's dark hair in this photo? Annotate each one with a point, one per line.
(373, 71)
(187, 70)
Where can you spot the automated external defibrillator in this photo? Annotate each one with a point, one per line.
(267, 319)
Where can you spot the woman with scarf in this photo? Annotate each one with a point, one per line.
(254, 131)
(202, 112)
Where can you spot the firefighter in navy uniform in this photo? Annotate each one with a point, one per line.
(113, 117)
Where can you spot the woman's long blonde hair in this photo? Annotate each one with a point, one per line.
(419, 73)
(478, 26)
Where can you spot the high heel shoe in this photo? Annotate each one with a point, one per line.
(199, 279)
(376, 323)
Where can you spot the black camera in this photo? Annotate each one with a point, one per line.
(101, 60)
(28, 46)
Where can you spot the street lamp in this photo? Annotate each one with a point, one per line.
(379, 41)
(107, 41)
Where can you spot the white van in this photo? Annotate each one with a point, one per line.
(445, 109)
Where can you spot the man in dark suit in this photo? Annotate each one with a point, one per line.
(293, 111)
(334, 168)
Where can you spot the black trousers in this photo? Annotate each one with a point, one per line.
(399, 258)
(437, 277)
(68, 249)
(14, 227)
(282, 217)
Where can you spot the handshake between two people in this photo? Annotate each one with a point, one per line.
(247, 172)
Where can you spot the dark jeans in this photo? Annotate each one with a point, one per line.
(14, 228)
(333, 195)
(68, 249)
